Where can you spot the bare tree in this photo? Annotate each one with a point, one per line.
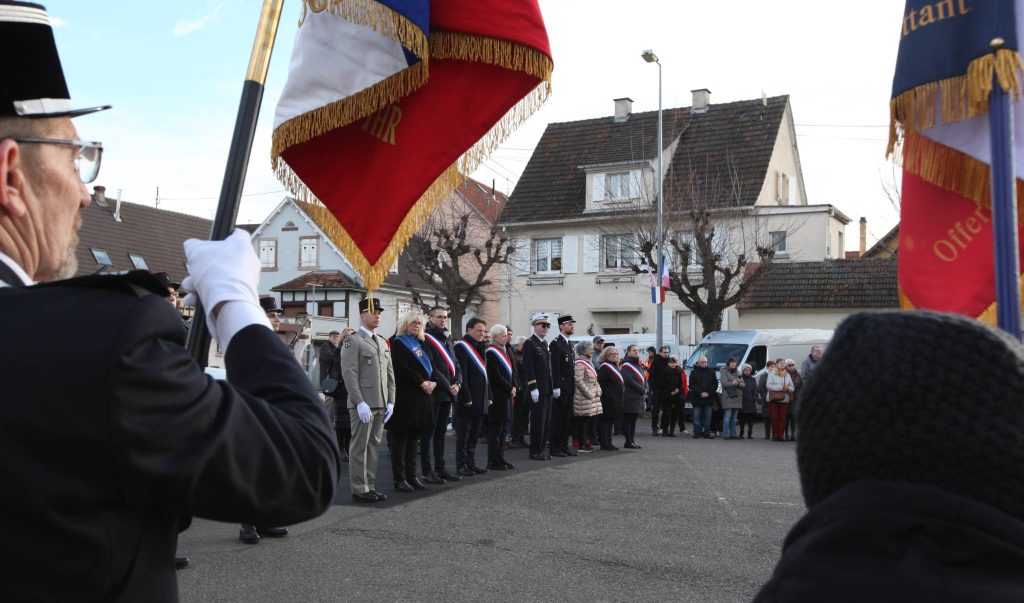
(454, 254)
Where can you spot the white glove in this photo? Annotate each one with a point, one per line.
(363, 409)
(535, 395)
(557, 392)
(224, 275)
(388, 411)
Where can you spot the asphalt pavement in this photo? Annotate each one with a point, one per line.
(679, 520)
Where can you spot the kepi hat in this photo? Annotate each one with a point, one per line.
(364, 305)
(566, 318)
(269, 304)
(34, 85)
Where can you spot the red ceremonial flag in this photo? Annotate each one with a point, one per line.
(381, 159)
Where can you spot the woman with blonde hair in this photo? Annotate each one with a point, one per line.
(413, 413)
(501, 374)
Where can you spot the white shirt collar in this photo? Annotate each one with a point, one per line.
(367, 331)
(25, 279)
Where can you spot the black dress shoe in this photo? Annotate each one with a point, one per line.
(508, 465)
(181, 563)
(496, 466)
(272, 532)
(608, 447)
(478, 470)
(466, 472)
(248, 534)
(365, 497)
(559, 454)
(569, 451)
(404, 486)
(380, 497)
(538, 457)
(431, 478)
(630, 445)
(443, 474)
(416, 483)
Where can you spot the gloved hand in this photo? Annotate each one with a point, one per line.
(224, 275)
(557, 392)
(388, 411)
(363, 409)
(535, 395)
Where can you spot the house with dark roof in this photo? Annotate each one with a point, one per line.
(821, 293)
(588, 185)
(307, 273)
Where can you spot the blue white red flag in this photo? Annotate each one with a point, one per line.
(940, 135)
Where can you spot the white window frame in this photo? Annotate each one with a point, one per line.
(618, 249)
(550, 250)
(309, 252)
(268, 253)
(777, 243)
(616, 186)
(101, 256)
(138, 261)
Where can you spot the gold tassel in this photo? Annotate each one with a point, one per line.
(991, 314)
(478, 49)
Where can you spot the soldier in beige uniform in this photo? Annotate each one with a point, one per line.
(370, 380)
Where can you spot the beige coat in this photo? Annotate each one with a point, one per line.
(587, 399)
(367, 371)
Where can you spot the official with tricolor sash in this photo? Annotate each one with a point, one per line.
(501, 374)
(449, 381)
(474, 397)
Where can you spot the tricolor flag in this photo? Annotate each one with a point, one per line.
(940, 134)
(390, 103)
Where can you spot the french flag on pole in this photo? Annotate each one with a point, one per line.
(658, 286)
(390, 103)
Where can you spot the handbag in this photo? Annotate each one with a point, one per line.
(776, 396)
(329, 386)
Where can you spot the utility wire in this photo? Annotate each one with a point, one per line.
(212, 198)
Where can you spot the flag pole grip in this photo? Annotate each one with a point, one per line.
(238, 155)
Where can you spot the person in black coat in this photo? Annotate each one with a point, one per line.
(612, 383)
(330, 368)
(749, 410)
(448, 374)
(537, 380)
(659, 397)
(474, 397)
(633, 394)
(501, 374)
(414, 407)
(703, 384)
(563, 381)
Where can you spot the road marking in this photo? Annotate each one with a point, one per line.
(781, 504)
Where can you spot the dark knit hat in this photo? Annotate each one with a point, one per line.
(917, 397)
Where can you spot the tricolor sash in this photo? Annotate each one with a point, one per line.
(443, 350)
(502, 360)
(636, 371)
(474, 356)
(587, 366)
(417, 351)
(615, 370)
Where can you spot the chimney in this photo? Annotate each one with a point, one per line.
(117, 208)
(863, 236)
(701, 100)
(100, 194)
(623, 107)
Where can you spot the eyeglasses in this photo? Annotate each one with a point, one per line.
(87, 160)
(544, 325)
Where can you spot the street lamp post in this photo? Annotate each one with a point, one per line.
(649, 56)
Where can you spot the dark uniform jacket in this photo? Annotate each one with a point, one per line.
(501, 386)
(563, 373)
(414, 408)
(537, 365)
(330, 367)
(703, 380)
(611, 390)
(107, 450)
(476, 391)
(442, 372)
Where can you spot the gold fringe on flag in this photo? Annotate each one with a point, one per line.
(991, 317)
(956, 98)
(378, 17)
(443, 45)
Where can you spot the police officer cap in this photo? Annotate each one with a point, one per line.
(564, 319)
(540, 318)
(269, 304)
(166, 280)
(364, 306)
(34, 84)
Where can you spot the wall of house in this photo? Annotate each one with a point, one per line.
(784, 159)
(812, 233)
(790, 318)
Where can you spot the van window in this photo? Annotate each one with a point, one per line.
(717, 353)
(758, 357)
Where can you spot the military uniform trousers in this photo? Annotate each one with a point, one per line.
(364, 450)
(540, 423)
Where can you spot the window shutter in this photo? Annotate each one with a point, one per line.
(521, 257)
(635, 183)
(591, 253)
(597, 186)
(570, 254)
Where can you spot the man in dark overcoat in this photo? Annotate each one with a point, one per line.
(474, 397)
(563, 387)
(537, 378)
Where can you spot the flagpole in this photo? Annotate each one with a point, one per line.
(238, 154)
(1004, 208)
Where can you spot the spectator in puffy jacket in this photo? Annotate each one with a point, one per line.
(749, 409)
(586, 402)
(703, 386)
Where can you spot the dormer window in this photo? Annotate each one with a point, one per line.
(614, 186)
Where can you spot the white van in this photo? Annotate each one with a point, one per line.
(758, 346)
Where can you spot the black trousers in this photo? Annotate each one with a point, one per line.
(540, 423)
(672, 413)
(561, 419)
(433, 439)
(582, 428)
(747, 419)
(656, 408)
(403, 453)
(496, 442)
(520, 416)
(604, 430)
(629, 426)
(467, 433)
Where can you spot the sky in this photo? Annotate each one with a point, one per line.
(174, 72)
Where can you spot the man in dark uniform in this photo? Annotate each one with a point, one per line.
(144, 437)
(564, 381)
(537, 375)
(449, 381)
(474, 397)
